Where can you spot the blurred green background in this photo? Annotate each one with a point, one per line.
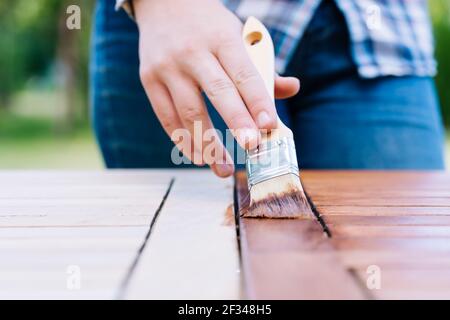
(44, 100)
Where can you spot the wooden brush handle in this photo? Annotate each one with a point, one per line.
(259, 47)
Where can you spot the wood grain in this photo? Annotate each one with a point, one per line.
(80, 199)
(412, 284)
(193, 250)
(397, 221)
(289, 258)
(99, 222)
(51, 221)
(383, 211)
(390, 231)
(404, 220)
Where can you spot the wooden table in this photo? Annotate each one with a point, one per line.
(378, 235)
(170, 234)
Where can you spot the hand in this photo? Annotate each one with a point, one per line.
(190, 46)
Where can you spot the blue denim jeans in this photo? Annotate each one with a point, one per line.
(339, 119)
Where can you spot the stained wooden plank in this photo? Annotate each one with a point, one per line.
(392, 258)
(404, 220)
(383, 211)
(370, 179)
(192, 252)
(396, 221)
(380, 193)
(412, 284)
(374, 201)
(388, 231)
(435, 244)
(290, 259)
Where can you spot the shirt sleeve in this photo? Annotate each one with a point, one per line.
(126, 5)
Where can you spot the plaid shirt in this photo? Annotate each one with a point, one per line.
(388, 37)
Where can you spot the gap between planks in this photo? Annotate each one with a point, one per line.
(290, 258)
(397, 221)
(174, 260)
(126, 280)
(192, 253)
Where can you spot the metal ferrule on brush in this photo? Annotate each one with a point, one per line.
(271, 159)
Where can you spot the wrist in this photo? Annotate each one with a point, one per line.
(140, 7)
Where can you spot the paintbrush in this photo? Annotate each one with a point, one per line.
(272, 168)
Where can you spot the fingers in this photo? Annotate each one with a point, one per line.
(223, 94)
(178, 103)
(235, 61)
(189, 107)
(286, 87)
(167, 115)
(163, 106)
(193, 115)
(233, 86)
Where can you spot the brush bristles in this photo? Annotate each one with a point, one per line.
(280, 197)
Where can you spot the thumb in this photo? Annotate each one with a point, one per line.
(286, 87)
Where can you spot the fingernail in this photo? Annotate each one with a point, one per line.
(247, 137)
(225, 170)
(263, 120)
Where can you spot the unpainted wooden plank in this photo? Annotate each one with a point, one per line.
(57, 178)
(111, 198)
(58, 192)
(192, 252)
(51, 222)
(40, 262)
